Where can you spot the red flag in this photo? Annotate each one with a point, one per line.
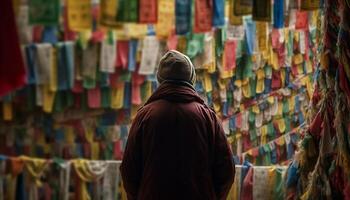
(148, 11)
(302, 20)
(230, 54)
(203, 16)
(12, 70)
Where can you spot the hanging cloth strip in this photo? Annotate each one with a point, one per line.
(219, 13)
(79, 15)
(108, 16)
(43, 12)
(310, 4)
(250, 30)
(65, 66)
(233, 18)
(25, 31)
(203, 16)
(44, 57)
(243, 7)
(278, 14)
(262, 10)
(148, 11)
(128, 11)
(108, 55)
(166, 15)
(183, 16)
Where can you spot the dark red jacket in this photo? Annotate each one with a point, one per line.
(177, 149)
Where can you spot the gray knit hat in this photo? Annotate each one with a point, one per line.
(176, 66)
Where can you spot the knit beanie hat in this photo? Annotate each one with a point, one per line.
(175, 66)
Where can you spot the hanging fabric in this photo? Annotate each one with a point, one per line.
(233, 18)
(262, 10)
(218, 13)
(183, 10)
(166, 18)
(243, 7)
(150, 49)
(310, 4)
(148, 11)
(128, 11)
(79, 15)
(12, 69)
(108, 16)
(278, 14)
(43, 12)
(203, 16)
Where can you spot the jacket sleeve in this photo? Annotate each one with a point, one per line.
(223, 168)
(131, 167)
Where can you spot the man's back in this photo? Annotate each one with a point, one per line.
(177, 149)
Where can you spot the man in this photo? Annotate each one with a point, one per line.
(176, 148)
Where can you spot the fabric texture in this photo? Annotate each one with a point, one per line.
(177, 149)
(12, 70)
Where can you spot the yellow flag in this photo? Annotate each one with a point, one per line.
(283, 76)
(118, 96)
(271, 100)
(256, 109)
(53, 74)
(262, 34)
(70, 135)
(108, 16)
(298, 59)
(79, 15)
(274, 61)
(132, 30)
(166, 17)
(281, 125)
(233, 19)
(217, 107)
(280, 109)
(291, 103)
(212, 65)
(207, 83)
(246, 90)
(95, 150)
(309, 67)
(48, 99)
(7, 111)
(260, 86)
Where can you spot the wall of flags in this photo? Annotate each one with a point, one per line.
(91, 65)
